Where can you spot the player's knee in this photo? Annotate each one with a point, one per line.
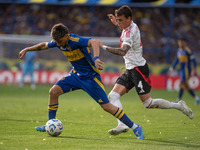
(148, 103)
(54, 92)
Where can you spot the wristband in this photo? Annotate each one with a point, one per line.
(104, 47)
(95, 58)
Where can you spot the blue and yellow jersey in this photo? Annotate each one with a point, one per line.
(79, 55)
(185, 58)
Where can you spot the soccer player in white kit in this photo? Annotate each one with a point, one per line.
(137, 71)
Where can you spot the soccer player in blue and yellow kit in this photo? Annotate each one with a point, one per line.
(85, 74)
(28, 67)
(185, 58)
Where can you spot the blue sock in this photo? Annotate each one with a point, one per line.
(191, 92)
(180, 93)
(52, 109)
(123, 117)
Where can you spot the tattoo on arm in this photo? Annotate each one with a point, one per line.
(38, 47)
(118, 51)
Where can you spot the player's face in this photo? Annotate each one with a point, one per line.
(181, 44)
(62, 41)
(123, 22)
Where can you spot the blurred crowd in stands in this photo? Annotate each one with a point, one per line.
(159, 30)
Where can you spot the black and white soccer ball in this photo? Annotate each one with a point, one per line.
(54, 127)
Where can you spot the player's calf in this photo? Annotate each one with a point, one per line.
(150, 103)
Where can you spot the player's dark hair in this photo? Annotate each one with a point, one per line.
(58, 31)
(183, 39)
(124, 10)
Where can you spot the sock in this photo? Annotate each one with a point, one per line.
(161, 103)
(180, 94)
(123, 118)
(114, 98)
(52, 109)
(196, 97)
(191, 92)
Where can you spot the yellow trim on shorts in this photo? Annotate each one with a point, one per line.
(99, 83)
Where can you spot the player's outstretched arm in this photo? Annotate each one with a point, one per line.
(37, 47)
(118, 51)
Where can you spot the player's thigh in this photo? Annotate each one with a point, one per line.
(25, 69)
(124, 83)
(31, 69)
(69, 83)
(95, 89)
(140, 77)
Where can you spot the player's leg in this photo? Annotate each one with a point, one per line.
(120, 114)
(191, 92)
(64, 85)
(122, 86)
(96, 90)
(114, 97)
(182, 85)
(150, 103)
(54, 93)
(180, 94)
(143, 87)
(24, 72)
(184, 77)
(31, 71)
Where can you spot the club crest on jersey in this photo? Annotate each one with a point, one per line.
(63, 78)
(69, 48)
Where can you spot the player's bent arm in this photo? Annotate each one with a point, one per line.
(118, 51)
(37, 47)
(95, 46)
(112, 19)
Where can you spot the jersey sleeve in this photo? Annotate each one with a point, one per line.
(127, 39)
(83, 42)
(175, 62)
(191, 57)
(52, 44)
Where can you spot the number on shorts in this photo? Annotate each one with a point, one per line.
(141, 87)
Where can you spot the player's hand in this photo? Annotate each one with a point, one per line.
(99, 64)
(22, 53)
(112, 19)
(194, 72)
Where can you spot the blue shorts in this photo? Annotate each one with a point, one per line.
(184, 76)
(93, 86)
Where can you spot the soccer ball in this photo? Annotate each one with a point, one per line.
(54, 127)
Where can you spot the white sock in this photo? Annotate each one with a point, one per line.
(161, 103)
(114, 98)
(196, 97)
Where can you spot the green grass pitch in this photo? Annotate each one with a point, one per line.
(86, 124)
